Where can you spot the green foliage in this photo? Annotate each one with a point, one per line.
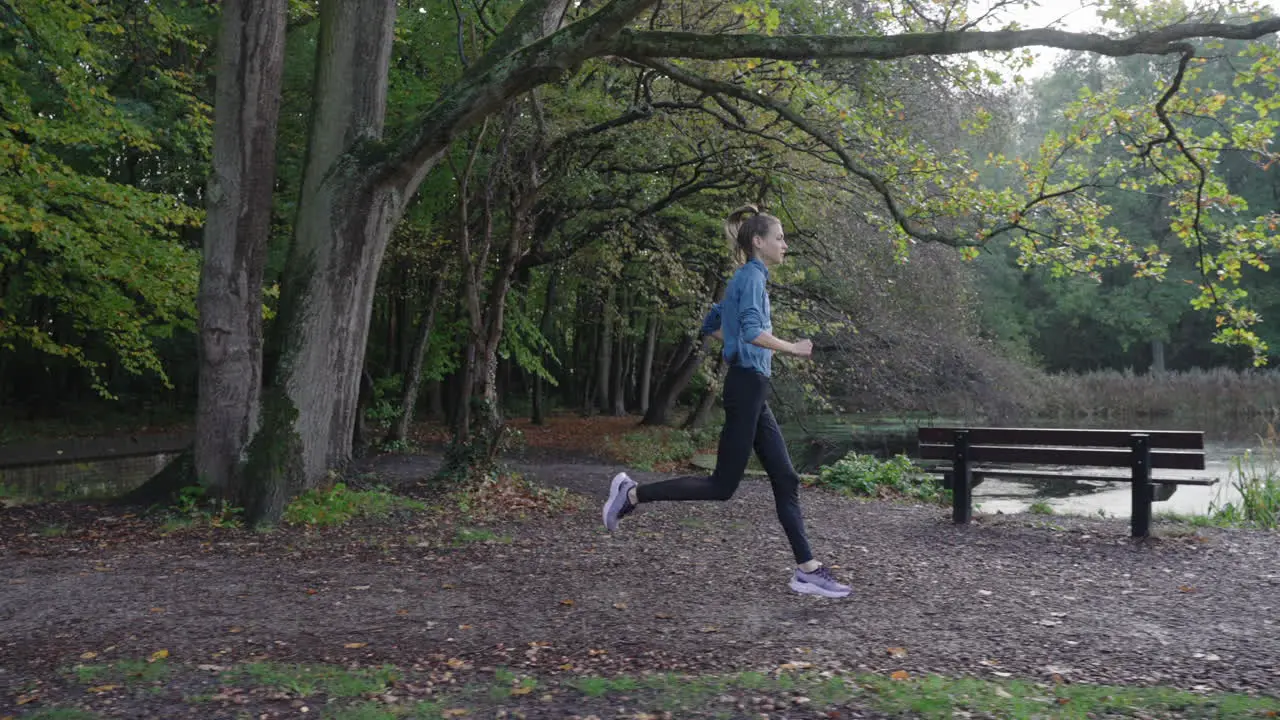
(193, 507)
(1040, 507)
(647, 448)
(340, 505)
(95, 144)
(867, 475)
(1256, 478)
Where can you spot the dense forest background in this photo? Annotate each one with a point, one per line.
(580, 228)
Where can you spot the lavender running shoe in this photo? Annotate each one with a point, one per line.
(618, 505)
(818, 582)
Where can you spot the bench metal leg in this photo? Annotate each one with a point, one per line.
(961, 481)
(1140, 521)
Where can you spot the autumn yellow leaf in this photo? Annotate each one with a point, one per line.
(620, 606)
(456, 664)
(102, 688)
(158, 655)
(402, 611)
(900, 675)
(455, 712)
(354, 645)
(566, 601)
(88, 655)
(897, 652)
(523, 690)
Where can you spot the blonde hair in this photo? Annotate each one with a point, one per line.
(742, 226)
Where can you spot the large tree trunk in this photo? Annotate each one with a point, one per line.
(413, 376)
(343, 226)
(237, 226)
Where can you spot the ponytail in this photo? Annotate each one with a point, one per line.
(742, 226)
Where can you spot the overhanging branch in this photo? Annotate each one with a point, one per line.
(640, 44)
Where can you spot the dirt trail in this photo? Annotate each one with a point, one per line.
(685, 585)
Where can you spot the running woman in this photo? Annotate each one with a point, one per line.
(742, 321)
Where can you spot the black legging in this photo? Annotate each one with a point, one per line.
(748, 423)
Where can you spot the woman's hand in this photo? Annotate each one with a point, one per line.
(802, 348)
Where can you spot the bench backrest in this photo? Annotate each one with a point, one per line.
(1170, 449)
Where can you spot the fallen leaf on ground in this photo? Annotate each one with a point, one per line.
(88, 655)
(897, 652)
(455, 712)
(1003, 693)
(620, 606)
(24, 699)
(158, 655)
(354, 645)
(900, 675)
(566, 601)
(402, 611)
(235, 630)
(100, 689)
(1187, 588)
(662, 616)
(524, 690)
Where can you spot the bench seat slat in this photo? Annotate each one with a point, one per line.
(1160, 439)
(1055, 475)
(1087, 456)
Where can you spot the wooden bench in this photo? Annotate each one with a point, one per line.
(990, 451)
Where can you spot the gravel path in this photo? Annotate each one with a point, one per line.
(697, 586)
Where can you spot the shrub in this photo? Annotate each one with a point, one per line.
(340, 505)
(870, 476)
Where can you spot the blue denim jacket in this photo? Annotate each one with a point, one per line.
(743, 315)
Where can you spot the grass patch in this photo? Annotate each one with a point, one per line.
(938, 698)
(62, 714)
(307, 680)
(1040, 507)
(54, 530)
(340, 505)
(647, 448)
(467, 536)
(123, 672)
(869, 476)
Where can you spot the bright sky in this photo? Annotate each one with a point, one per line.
(1077, 15)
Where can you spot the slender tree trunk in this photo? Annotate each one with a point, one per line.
(1157, 357)
(702, 412)
(646, 365)
(545, 326)
(237, 227)
(676, 380)
(413, 377)
(604, 353)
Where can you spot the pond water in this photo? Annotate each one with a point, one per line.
(821, 440)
